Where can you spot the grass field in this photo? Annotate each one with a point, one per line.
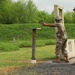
(22, 58)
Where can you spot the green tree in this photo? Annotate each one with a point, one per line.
(68, 17)
(73, 17)
(31, 12)
(2, 1)
(17, 12)
(5, 11)
(44, 17)
(52, 17)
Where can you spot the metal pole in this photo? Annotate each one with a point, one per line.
(33, 59)
(33, 45)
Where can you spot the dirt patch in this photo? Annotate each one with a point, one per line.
(7, 70)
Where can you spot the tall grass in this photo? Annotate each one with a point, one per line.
(13, 46)
(4, 47)
(38, 43)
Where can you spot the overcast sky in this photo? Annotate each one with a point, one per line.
(48, 5)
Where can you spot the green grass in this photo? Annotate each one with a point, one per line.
(20, 57)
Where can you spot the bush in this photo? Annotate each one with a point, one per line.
(23, 44)
(38, 43)
(13, 46)
(4, 47)
(50, 42)
(24, 32)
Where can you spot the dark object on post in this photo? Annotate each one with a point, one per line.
(33, 44)
(74, 9)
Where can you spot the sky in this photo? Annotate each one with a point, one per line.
(48, 5)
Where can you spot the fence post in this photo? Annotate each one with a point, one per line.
(33, 58)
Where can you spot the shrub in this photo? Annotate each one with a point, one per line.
(24, 32)
(25, 44)
(40, 43)
(4, 47)
(50, 42)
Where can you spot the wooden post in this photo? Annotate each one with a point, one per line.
(33, 58)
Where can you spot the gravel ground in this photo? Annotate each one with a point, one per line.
(48, 68)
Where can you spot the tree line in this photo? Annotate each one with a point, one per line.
(24, 11)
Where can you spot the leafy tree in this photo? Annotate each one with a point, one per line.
(68, 17)
(18, 15)
(44, 17)
(73, 17)
(2, 1)
(25, 11)
(31, 12)
(5, 11)
(52, 17)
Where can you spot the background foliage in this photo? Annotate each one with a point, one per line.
(18, 32)
(17, 20)
(25, 11)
